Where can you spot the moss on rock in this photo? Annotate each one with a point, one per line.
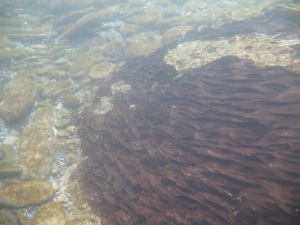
(56, 89)
(37, 144)
(102, 70)
(25, 194)
(18, 98)
(51, 213)
(71, 100)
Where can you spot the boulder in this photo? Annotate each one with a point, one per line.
(18, 98)
(37, 144)
(102, 70)
(51, 213)
(24, 194)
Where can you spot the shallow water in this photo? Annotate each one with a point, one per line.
(58, 58)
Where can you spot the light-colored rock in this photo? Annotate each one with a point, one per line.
(52, 213)
(62, 134)
(70, 100)
(71, 129)
(82, 62)
(55, 185)
(102, 70)
(7, 154)
(175, 33)
(37, 144)
(143, 49)
(5, 42)
(127, 29)
(120, 87)
(62, 198)
(18, 98)
(26, 193)
(69, 18)
(56, 89)
(61, 123)
(76, 27)
(63, 113)
(10, 140)
(263, 50)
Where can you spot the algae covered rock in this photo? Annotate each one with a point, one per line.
(143, 48)
(71, 100)
(127, 29)
(25, 194)
(18, 98)
(37, 144)
(8, 218)
(175, 33)
(7, 154)
(81, 63)
(8, 159)
(56, 89)
(51, 213)
(8, 170)
(102, 70)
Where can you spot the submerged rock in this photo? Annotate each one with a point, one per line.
(175, 33)
(70, 100)
(102, 70)
(18, 98)
(8, 218)
(24, 194)
(142, 48)
(56, 89)
(9, 171)
(51, 213)
(8, 160)
(37, 144)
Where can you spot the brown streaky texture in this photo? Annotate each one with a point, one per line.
(217, 146)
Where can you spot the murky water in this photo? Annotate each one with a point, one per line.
(62, 64)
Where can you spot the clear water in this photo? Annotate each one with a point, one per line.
(59, 42)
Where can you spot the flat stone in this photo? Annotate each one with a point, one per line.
(37, 144)
(56, 89)
(62, 198)
(143, 49)
(62, 134)
(7, 154)
(9, 171)
(51, 213)
(61, 123)
(130, 29)
(71, 129)
(76, 27)
(8, 218)
(28, 193)
(18, 98)
(10, 140)
(63, 113)
(175, 33)
(70, 100)
(143, 19)
(102, 70)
